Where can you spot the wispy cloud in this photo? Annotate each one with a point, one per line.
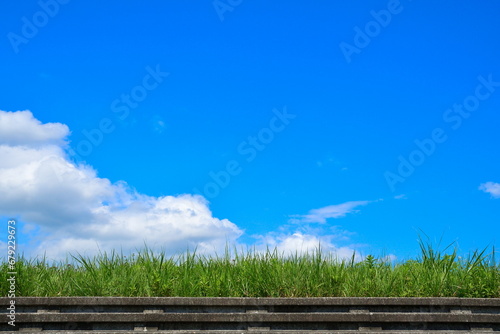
(328, 161)
(158, 124)
(332, 211)
(491, 188)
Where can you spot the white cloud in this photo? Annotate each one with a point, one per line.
(3, 247)
(21, 128)
(306, 238)
(332, 211)
(492, 188)
(75, 210)
(389, 258)
(300, 242)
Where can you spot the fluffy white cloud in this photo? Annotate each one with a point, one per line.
(75, 210)
(332, 211)
(300, 242)
(21, 128)
(492, 188)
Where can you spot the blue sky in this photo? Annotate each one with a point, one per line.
(353, 124)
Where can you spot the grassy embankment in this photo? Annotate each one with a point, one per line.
(432, 274)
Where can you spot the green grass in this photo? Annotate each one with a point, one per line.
(253, 274)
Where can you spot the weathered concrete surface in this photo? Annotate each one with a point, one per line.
(368, 331)
(253, 315)
(258, 317)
